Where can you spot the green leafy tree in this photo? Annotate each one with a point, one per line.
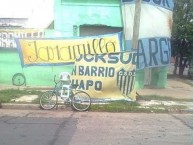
(182, 34)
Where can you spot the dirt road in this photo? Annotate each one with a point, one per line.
(58, 127)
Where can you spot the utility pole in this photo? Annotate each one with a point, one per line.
(136, 24)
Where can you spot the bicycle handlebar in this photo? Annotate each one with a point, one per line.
(55, 79)
(74, 86)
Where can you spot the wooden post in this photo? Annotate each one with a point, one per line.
(136, 24)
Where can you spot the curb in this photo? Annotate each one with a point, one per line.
(26, 106)
(37, 107)
(187, 111)
(20, 106)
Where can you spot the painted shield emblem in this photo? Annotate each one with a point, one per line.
(125, 81)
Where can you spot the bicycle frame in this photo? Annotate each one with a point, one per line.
(59, 88)
(78, 99)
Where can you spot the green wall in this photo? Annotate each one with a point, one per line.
(35, 75)
(90, 12)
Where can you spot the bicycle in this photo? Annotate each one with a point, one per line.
(78, 99)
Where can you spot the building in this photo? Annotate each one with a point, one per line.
(73, 18)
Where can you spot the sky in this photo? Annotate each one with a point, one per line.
(18, 8)
(39, 12)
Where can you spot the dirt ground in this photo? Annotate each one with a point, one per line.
(175, 88)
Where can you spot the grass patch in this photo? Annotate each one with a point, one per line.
(125, 106)
(161, 98)
(7, 95)
(115, 106)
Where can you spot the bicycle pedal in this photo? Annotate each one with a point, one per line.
(67, 103)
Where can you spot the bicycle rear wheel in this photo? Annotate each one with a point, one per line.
(48, 100)
(81, 101)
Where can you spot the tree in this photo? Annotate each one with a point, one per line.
(182, 34)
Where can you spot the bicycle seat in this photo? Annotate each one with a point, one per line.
(64, 76)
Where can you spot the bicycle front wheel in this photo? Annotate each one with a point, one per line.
(48, 100)
(81, 101)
